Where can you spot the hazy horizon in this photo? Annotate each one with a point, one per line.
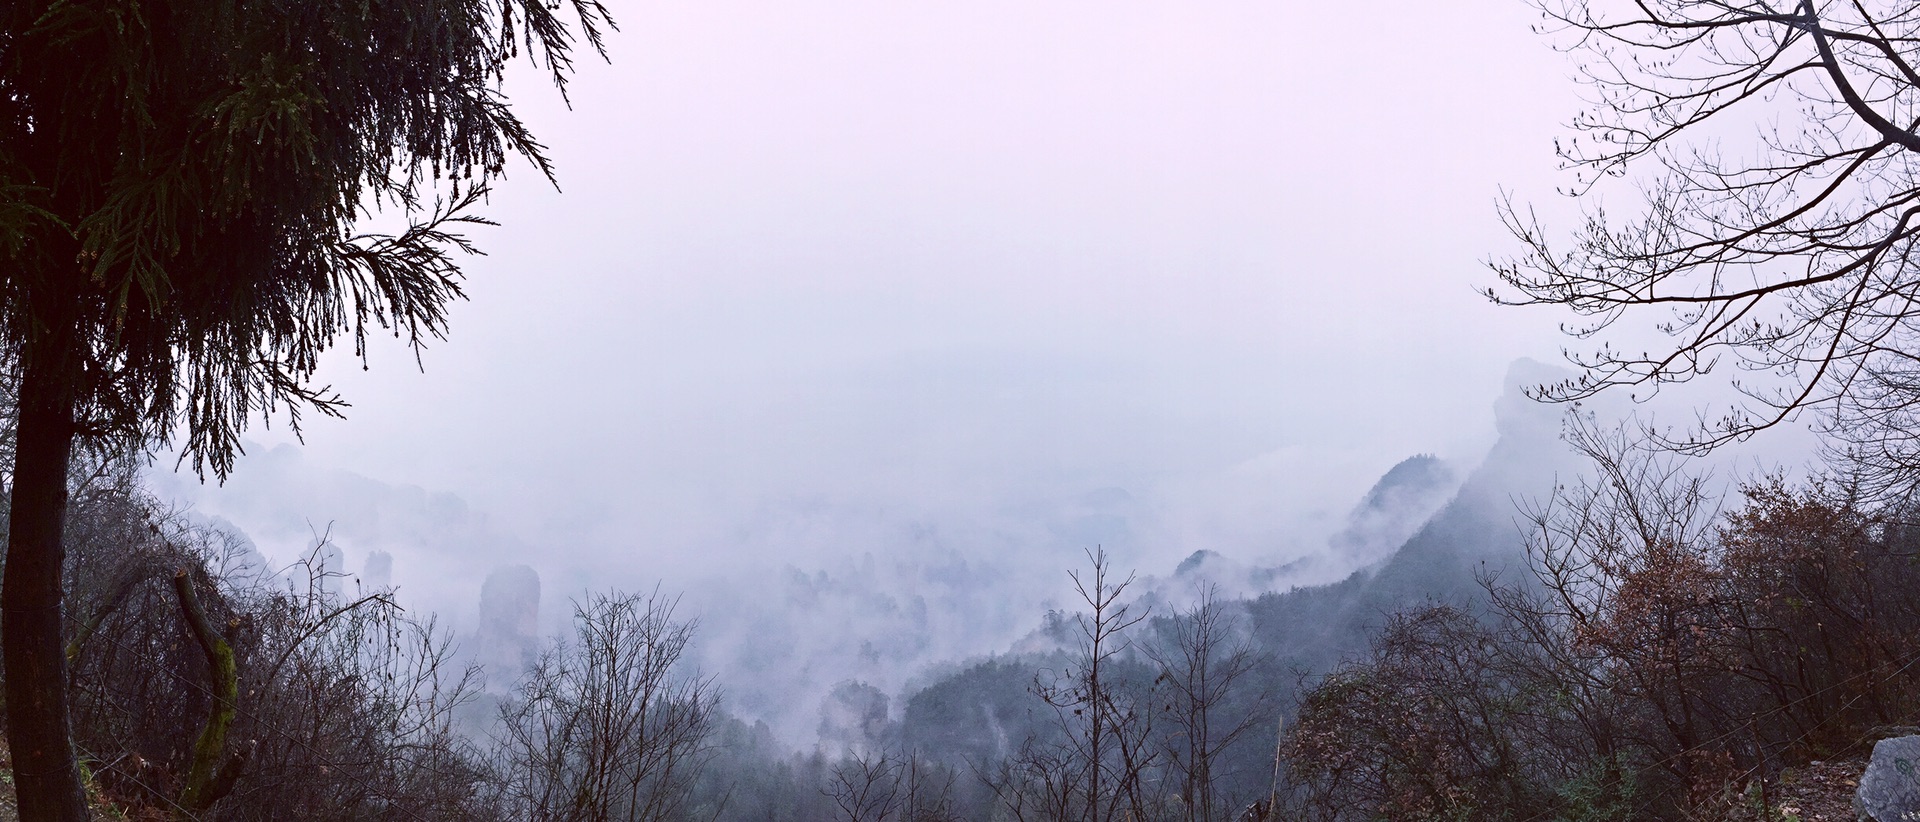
(821, 282)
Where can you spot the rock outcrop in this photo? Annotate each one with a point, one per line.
(1890, 789)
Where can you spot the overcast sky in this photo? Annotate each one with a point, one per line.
(932, 259)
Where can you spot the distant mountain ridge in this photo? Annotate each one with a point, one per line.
(1474, 532)
(1440, 532)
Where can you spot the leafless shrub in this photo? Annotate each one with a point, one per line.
(208, 688)
(362, 702)
(606, 726)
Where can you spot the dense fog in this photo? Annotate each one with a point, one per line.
(832, 594)
(858, 353)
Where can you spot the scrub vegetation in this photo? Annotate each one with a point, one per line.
(1649, 651)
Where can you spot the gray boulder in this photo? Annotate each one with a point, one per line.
(1890, 789)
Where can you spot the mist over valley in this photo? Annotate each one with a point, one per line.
(739, 411)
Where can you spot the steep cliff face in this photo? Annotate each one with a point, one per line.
(507, 638)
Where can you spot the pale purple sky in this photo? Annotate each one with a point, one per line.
(935, 259)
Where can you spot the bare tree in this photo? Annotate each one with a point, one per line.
(1097, 768)
(1790, 255)
(607, 726)
(1037, 782)
(929, 791)
(867, 786)
(887, 786)
(1204, 661)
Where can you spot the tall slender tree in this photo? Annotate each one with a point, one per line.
(179, 189)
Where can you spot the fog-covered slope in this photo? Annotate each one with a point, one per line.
(1466, 527)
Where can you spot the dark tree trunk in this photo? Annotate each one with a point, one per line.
(46, 776)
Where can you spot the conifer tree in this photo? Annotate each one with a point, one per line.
(180, 185)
